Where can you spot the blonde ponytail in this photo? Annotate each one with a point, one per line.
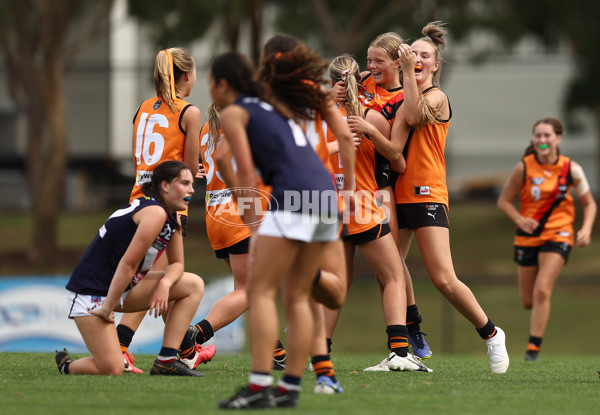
(344, 68)
(170, 65)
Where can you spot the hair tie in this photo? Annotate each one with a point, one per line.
(171, 74)
(345, 75)
(278, 55)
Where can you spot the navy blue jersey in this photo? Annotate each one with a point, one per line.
(95, 270)
(287, 162)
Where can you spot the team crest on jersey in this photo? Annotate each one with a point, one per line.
(367, 96)
(390, 107)
(562, 184)
(538, 181)
(157, 104)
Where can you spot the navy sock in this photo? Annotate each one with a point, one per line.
(167, 355)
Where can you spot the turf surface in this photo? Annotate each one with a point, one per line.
(460, 384)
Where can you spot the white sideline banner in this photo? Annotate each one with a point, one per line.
(33, 318)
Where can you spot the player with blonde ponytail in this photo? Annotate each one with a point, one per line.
(165, 127)
(367, 229)
(421, 192)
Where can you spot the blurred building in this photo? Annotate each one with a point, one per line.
(494, 106)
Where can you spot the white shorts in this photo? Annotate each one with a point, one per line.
(299, 227)
(80, 305)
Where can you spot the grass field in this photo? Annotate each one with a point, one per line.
(460, 384)
(563, 382)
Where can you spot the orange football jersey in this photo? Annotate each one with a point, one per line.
(368, 211)
(158, 137)
(424, 179)
(224, 225)
(546, 197)
(380, 99)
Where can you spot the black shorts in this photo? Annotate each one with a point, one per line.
(421, 215)
(369, 235)
(384, 174)
(240, 248)
(527, 256)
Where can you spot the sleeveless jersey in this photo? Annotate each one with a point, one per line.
(95, 270)
(387, 103)
(545, 196)
(286, 161)
(224, 225)
(316, 132)
(424, 179)
(158, 137)
(380, 99)
(368, 211)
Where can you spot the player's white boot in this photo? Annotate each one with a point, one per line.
(496, 345)
(409, 363)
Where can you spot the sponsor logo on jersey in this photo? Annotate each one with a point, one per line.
(136, 278)
(157, 104)
(142, 177)
(339, 181)
(96, 302)
(422, 190)
(538, 181)
(218, 197)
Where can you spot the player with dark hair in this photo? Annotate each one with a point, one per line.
(115, 274)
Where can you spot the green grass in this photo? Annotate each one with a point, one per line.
(563, 382)
(460, 384)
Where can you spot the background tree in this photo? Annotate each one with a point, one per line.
(559, 25)
(184, 21)
(37, 50)
(337, 26)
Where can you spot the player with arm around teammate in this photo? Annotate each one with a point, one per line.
(421, 192)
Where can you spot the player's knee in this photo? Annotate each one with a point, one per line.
(444, 286)
(195, 284)
(527, 303)
(542, 295)
(112, 369)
